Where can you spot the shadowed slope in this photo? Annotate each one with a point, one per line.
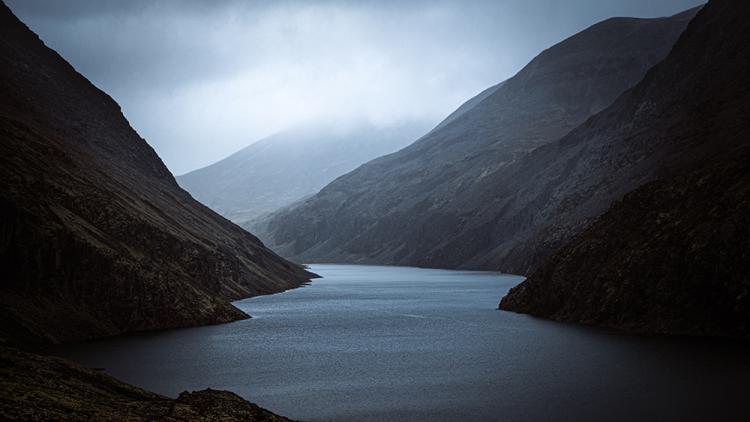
(436, 203)
(96, 238)
(672, 256)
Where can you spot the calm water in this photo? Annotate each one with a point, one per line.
(390, 344)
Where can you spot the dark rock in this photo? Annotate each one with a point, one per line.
(96, 238)
(673, 255)
(41, 388)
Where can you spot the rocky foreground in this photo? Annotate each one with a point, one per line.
(34, 387)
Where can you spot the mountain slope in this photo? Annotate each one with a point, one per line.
(435, 202)
(672, 256)
(96, 238)
(281, 169)
(468, 105)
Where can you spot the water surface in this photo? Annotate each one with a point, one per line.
(400, 344)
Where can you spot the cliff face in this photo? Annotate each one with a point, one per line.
(672, 256)
(281, 169)
(448, 199)
(34, 387)
(96, 238)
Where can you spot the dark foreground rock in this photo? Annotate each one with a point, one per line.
(674, 255)
(41, 388)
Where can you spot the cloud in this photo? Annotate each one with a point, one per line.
(200, 80)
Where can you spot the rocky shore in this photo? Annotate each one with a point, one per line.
(35, 387)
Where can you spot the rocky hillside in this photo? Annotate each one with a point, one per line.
(281, 169)
(96, 237)
(34, 387)
(674, 255)
(457, 197)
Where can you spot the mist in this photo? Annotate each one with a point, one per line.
(202, 80)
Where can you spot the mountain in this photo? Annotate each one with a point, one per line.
(281, 169)
(672, 255)
(468, 105)
(455, 198)
(96, 237)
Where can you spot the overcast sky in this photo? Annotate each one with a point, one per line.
(202, 79)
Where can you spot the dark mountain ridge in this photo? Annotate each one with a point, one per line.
(96, 238)
(448, 199)
(672, 255)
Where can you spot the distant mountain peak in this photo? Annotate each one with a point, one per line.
(283, 168)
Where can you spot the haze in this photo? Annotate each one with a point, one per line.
(200, 80)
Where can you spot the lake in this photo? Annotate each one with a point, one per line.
(370, 343)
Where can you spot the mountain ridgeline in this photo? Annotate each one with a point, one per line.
(281, 169)
(96, 237)
(673, 255)
(468, 194)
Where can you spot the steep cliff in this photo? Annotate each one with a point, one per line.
(96, 238)
(673, 255)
